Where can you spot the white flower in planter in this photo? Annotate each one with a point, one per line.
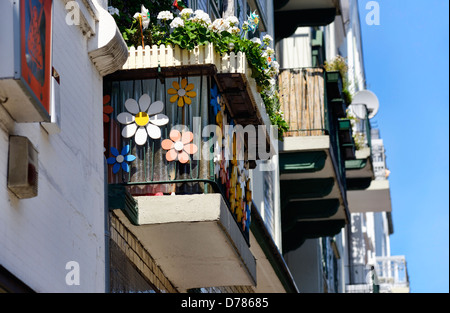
(232, 21)
(267, 39)
(177, 22)
(256, 41)
(144, 15)
(165, 16)
(219, 25)
(142, 120)
(186, 13)
(201, 17)
(234, 30)
(112, 10)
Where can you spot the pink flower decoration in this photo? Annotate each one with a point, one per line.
(179, 146)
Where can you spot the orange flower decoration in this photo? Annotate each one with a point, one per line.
(179, 146)
(182, 94)
(107, 109)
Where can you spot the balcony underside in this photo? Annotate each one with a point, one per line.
(359, 172)
(295, 211)
(311, 191)
(376, 198)
(194, 239)
(303, 230)
(289, 5)
(308, 172)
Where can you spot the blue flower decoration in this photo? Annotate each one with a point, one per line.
(248, 220)
(214, 99)
(119, 159)
(253, 21)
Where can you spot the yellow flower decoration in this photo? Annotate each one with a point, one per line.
(182, 94)
(233, 189)
(248, 193)
(240, 207)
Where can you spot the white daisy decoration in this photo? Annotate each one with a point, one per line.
(142, 120)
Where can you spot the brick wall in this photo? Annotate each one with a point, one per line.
(139, 257)
(145, 265)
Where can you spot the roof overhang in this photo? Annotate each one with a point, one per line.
(289, 15)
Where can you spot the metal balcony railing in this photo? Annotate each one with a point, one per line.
(386, 275)
(392, 270)
(151, 172)
(142, 164)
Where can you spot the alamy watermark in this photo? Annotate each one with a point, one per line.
(73, 274)
(260, 142)
(373, 16)
(73, 13)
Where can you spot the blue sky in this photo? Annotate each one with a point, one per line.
(407, 66)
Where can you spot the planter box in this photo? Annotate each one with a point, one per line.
(345, 132)
(339, 107)
(348, 151)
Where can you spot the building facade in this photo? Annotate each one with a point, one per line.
(60, 227)
(134, 164)
(330, 144)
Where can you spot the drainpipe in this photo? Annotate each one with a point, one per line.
(107, 233)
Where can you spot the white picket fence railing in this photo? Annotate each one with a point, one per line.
(151, 57)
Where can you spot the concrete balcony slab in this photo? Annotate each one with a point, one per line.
(194, 239)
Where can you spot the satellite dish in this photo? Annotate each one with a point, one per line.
(368, 98)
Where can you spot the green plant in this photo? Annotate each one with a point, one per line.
(158, 25)
(358, 137)
(123, 12)
(273, 109)
(339, 64)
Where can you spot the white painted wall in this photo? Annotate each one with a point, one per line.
(259, 193)
(64, 222)
(355, 59)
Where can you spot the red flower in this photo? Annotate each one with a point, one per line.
(107, 109)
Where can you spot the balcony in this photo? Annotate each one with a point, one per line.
(388, 275)
(359, 171)
(312, 155)
(375, 198)
(392, 274)
(193, 238)
(290, 14)
(231, 74)
(178, 164)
